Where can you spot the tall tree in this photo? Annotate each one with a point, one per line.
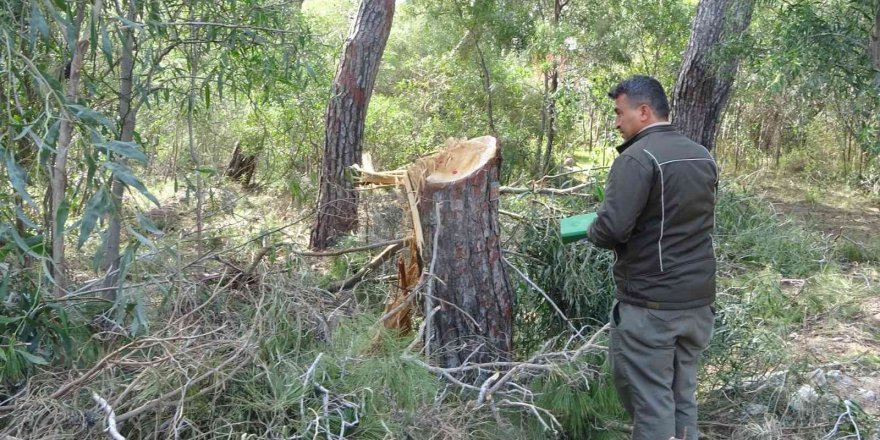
(345, 117)
(875, 57)
(58, 187)
(551, 86)
(706, 76)
(127, 115)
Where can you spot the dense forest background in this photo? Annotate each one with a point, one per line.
(186, 251)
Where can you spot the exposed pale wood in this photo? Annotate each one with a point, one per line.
(408, 274)
(414, 211)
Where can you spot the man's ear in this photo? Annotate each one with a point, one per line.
(644, 112)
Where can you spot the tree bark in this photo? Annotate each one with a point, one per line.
(551, 81)
(487, 87)
(875, 57)
(458, 207)
(59, 167)
(345, 119)
(704, 81)
(128, 115)
(242, 167)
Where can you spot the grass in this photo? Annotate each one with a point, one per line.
(307, 361)
(749, 236)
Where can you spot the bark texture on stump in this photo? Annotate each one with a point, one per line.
(345, 117)
(705, 79)
(242, 166)
(475, 319)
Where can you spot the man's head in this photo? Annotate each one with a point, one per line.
(639, 101)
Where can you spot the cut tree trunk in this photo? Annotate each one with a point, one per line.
(345, 119)
(458, 193)
(242, 166)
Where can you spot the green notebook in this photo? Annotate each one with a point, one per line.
(575, 228)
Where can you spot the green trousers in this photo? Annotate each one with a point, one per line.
(654, 356)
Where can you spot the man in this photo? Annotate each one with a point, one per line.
(658, 216)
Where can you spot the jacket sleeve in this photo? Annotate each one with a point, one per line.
(626, 194)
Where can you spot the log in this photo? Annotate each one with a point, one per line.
(471, 285)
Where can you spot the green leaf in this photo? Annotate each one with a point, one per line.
(53, 83)
(207, 91)
(32, 358)
(106, 45)
(127, 149)
(141, 238)
(52, 134)
(88, 115)
(9, 320)
(26, 131)
(21, 215)
(95, 208)
(29, 247)
(18, 176)
(148, 224)
(38, 21)
(124, 174)
(207, 171)
(4, 291)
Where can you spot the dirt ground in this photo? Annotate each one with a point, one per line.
(851, 348)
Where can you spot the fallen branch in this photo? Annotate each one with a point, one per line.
(163, 399)
(547, 191)
(111, 417)
(350, 250)
(376, 262)
(547, 297)
(847, 413)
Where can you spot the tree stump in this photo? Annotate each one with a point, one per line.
(242, 166)
(458, 210)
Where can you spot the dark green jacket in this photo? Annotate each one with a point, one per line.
(658, 216)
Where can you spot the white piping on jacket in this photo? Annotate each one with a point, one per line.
(663, 197)
(662, 209)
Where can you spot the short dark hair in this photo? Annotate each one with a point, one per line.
(642, 89)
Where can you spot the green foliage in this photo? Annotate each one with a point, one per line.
(577, 276)
(855, 252)
(748, 233)
(583, 400)
(34, 333)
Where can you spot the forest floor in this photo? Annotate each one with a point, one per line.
(846, 351)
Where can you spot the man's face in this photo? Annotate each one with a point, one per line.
(630, 119)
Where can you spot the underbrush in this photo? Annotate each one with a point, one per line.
(280, 357)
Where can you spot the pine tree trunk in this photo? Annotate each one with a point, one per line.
(704, 83)
(345, 118)
(458, 207)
